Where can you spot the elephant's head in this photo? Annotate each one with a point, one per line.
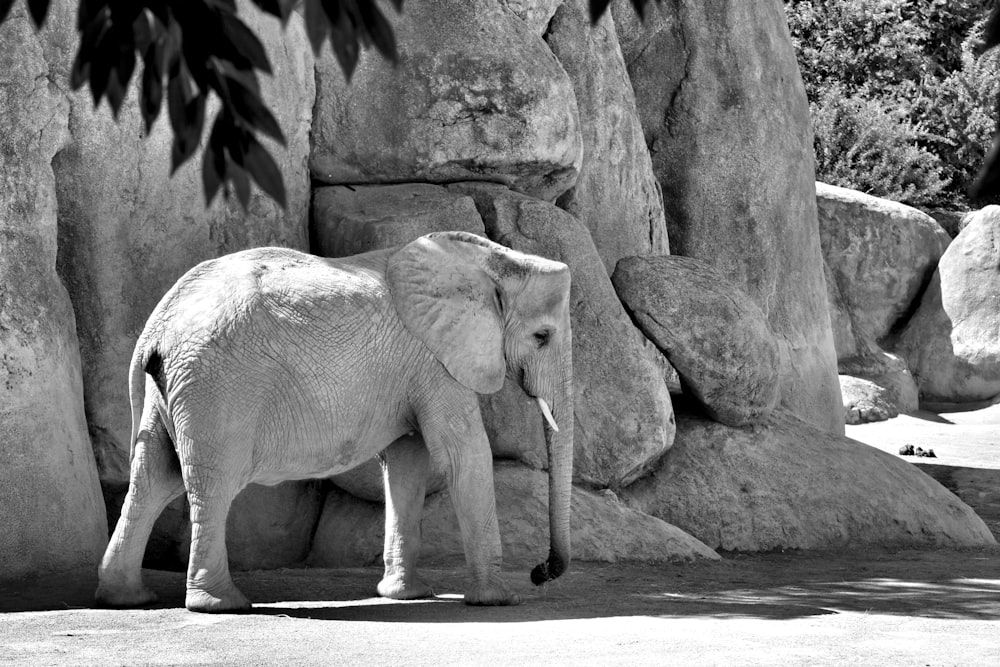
(485, 310)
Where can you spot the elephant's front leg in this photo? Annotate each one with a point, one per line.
(405, 464)
(457, 442)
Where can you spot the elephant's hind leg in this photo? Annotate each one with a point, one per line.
(155, 480)
(405, 464)
(211, 487)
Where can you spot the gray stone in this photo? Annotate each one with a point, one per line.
(624, 418)
(865, 401)
(352, 220)
(726, 120)
(889, 373)
(788, 484)
(881, 254)
(951, 343)
(616, 196)
(50, 498)
(351, 531)
(602, 529)
(476, 95)
(712, 333)
(536, 13)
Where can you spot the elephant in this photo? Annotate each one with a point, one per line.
(271, 364)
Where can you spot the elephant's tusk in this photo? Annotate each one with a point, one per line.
(547, 413)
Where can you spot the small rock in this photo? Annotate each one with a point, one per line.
(919, 452)
(906, 450)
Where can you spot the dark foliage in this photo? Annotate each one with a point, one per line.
(902, 96)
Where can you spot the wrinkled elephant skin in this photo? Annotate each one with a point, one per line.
(270, 364)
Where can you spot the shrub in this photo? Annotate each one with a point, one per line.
(902, 107)
(862, 144)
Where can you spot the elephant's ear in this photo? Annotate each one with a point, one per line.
(446, 299)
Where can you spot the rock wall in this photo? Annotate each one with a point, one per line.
(726, 120)
(50, 499)
(512, 119)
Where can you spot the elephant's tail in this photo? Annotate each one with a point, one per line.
(145, 359)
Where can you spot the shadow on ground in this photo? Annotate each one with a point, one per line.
(943, 584)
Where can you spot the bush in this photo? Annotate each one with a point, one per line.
(862, 144)
(902, 108)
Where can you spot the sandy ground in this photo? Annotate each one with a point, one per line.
(938, 607)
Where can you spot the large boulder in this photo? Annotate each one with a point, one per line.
(50, 498)
(624, 417)
(865, 401)
(351, 220)
(128, 230)
(881, 255)
(616, 196)
(602, 528)
(788, 484)
(726, 119)
(952, 342)
(476, 95)
(716, 338)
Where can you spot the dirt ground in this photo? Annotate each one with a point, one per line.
(938, 607)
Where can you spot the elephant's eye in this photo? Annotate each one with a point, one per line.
(542, 337)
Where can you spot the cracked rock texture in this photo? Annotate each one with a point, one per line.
(616, 196)
(477, 95)
(726, 120)
(50, 499)
(716, 338)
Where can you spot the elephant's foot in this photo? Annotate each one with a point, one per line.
(492, 595)
(399, 587)
(121, 595)
(221, 600)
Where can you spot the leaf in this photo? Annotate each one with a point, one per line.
(120, 77)
(213, 164)
(187, 116)
(317, 25)
(240, 182)
(264, 170)
(151, 95)
(597, 8)
(102, 59)
(38, 10)
(248, 107)
(90, 40)
(244, 42)
(379, 28)
(280, 8)
(5, 6)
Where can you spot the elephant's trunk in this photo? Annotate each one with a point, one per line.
(560, 450)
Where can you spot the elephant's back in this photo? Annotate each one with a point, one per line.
(261, 288)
